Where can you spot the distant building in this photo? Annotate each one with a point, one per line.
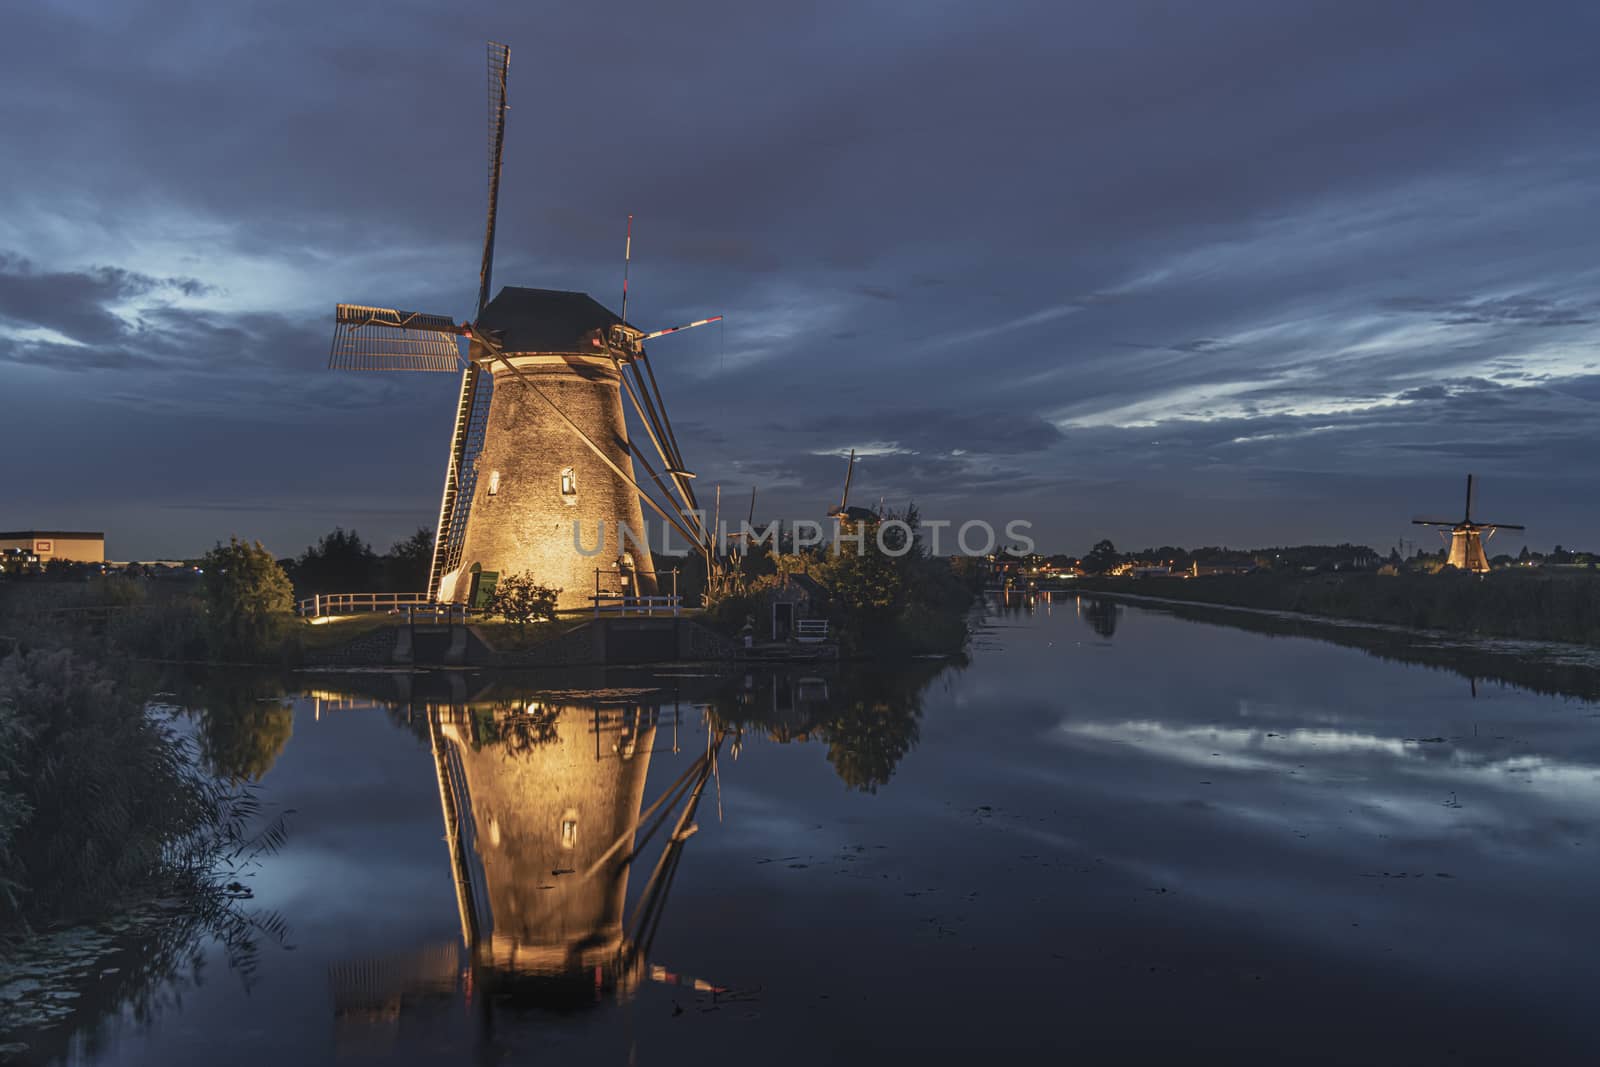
(78, 546)
(1200, 570)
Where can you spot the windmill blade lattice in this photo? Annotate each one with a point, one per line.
(388, 339)
(499, 66)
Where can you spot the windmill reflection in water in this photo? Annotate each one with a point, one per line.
(544, 817)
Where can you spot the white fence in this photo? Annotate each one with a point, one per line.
(326, 604)
(617, 604)
(418, 606)
(811, 631)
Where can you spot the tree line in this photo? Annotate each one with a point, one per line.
(343, 562)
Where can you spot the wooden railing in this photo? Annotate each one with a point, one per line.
(618, 604)
(326, 604)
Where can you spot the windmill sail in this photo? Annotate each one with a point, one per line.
(387, 339)
(472, 408)
(499, 66)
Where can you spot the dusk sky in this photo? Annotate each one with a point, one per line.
(1221, 273)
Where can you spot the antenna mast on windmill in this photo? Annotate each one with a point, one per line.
(1467, 536)
(540, 449)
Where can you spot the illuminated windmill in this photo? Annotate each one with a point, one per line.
(1467, 537)
(540, 441)
(544, 821)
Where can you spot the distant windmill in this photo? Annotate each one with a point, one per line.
(844, 511)
(541, 442)
(742, 538)
(1467, 536)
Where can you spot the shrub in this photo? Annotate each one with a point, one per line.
(103, 790)
(169, 623)
(729, 612)
(14, 807)
(520, 599)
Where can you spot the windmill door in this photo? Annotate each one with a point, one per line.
(483, 583)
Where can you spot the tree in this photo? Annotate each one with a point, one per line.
(339, 563)
(1102, 557)
(406, 568)
(249, 600)
(519, 598)
(866, 587)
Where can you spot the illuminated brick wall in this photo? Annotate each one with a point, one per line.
(536, 478)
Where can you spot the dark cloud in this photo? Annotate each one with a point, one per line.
(164, 343)
(79, 305)
(1137, 268)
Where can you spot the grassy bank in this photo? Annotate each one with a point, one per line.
(115, 619)
(1555, 672)
(1527, 605)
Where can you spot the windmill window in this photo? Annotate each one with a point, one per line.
(569, 482)
(494, 482)
(569, 830)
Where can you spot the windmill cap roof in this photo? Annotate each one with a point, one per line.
(546, 320)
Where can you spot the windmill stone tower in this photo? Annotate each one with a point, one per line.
(536, 479)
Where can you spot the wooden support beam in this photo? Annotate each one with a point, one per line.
(627, 835)
(459, 870)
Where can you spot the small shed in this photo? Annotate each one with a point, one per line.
(784, 604)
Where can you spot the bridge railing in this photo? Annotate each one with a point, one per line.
(327, 604)
(618, 604)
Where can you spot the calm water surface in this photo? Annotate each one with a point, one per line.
(1114, 832)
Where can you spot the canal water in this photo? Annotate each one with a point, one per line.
(1111, 832)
